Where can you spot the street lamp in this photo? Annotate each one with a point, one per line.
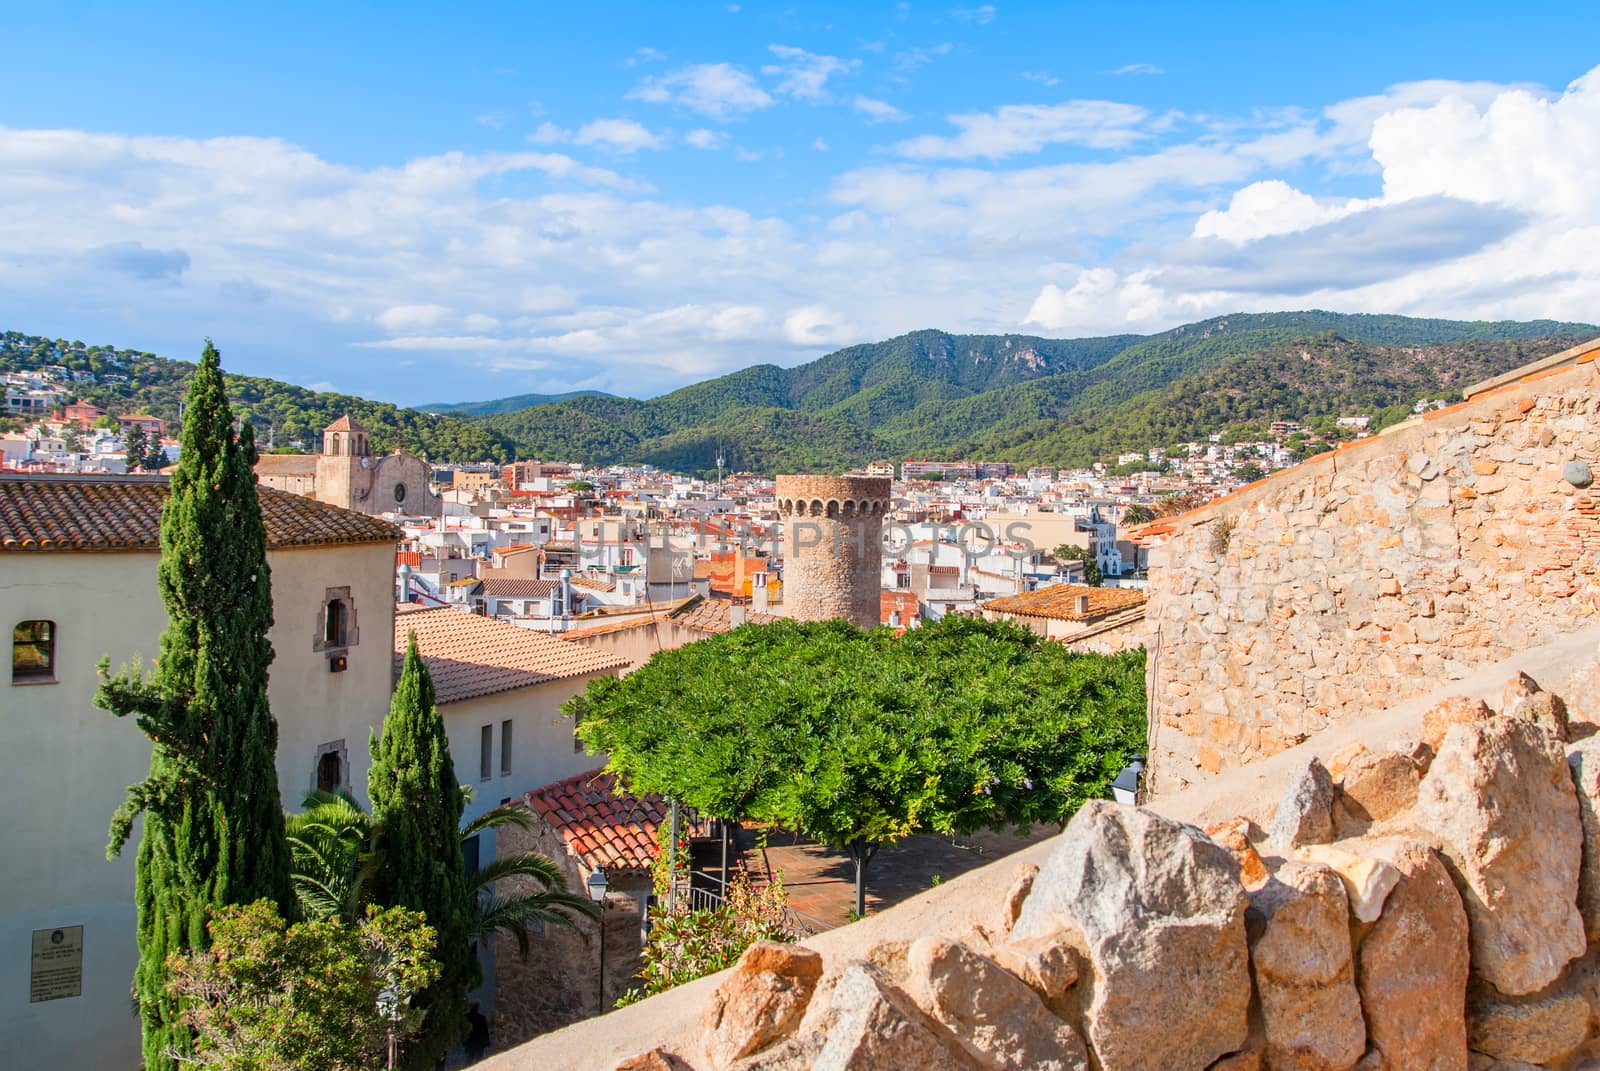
(597, 886)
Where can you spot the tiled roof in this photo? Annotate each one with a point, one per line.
(56, 513)
(345, 423)
(594, 585)
(518, 587)
(1059, 601)
(708, 615)
(603, 826)
(470, 655)
(286, 465)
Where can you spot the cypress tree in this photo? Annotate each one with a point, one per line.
(416, 807)
(213, 822)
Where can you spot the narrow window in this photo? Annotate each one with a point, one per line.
(33, 651)
(333, 625)
(470, 856)
(505, 747)
(329, 774)
(577, 744)
(486, 753)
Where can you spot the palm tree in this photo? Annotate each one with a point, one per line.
(334, 859)
(513, 912)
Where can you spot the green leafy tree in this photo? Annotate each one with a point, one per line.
(213, 824)
(321, 995)
(1091, 568)
(137, 446)
(416, 808)
(861, 739)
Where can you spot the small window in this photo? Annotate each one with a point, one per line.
(333, 625)
(486, 753)
(33, 651)
(505, 747)
(399, 492)
(330, 774)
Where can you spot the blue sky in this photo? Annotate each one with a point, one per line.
(421, 204)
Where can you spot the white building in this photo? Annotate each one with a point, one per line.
(78, 558)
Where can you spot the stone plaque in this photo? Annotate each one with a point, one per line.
(57, 964)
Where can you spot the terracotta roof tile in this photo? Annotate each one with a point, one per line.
(470, 655)
(123, 513)
(1059, 601)
(518, 587)
(345, 423)
(710, 616)
(604, 826)
(286, 465)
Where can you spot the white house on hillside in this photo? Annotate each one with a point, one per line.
(78, 558)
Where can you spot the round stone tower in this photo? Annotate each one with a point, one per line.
(833, 546)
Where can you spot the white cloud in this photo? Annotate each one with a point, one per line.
(1139, 68)
(716, 90)
(1454, 199)
(820, 145)
(804, 75)
(982, 15)
(912, 58)
(401, 318)
(878, 111)
(1270, 207)
(644, 55)
(1025, 128)
(1042, 77)
(706, 139)
(613, 135)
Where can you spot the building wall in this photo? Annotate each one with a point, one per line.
(833, 554)
(558, 983)
(69, 764)
(542, 748)
(1373, 574)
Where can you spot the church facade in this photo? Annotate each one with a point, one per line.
(345, 474)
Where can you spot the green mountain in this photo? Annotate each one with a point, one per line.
(125, 381)
(467, 410)
(1035, 400)
(927, 394)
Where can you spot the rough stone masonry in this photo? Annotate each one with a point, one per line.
(1375, 573)
(1449, 934)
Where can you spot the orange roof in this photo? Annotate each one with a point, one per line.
(471, 656)
(345, 423)
(60, 512)
(286, 465)
(1060, 602)
(710, 616)
(604, 826)
(518, 587)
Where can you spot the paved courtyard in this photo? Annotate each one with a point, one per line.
(820, 882)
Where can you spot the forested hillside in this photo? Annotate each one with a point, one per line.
(961, 397)
(130, 381)
(1035, 400)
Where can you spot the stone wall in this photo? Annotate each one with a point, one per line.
(833, 546)
(1376, 573)
(1430, 906)
(558, 982)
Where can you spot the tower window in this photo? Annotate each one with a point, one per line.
(399, 492)
(33, 652)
